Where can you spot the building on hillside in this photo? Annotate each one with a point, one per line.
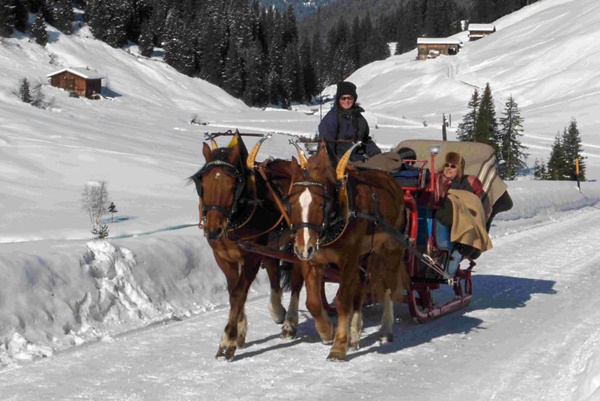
(478, 31)
(433, 47)
(80, 81)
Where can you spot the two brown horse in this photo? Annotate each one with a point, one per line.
(235, 209)
(369, 258)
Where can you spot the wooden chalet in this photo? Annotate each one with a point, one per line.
(478, 31)
(433, 47)
(80, 81)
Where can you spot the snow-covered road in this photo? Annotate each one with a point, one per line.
(532, 325)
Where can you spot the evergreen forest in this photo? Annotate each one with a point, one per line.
(256, 53)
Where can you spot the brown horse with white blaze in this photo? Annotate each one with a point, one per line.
(369, 258)
(231, 214)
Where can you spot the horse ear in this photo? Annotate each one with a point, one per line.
(295, 168)
(322, 154)
(206, 152)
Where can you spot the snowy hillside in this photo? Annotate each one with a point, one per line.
(543, 55)
(60, 289)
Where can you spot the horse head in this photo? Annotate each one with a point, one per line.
(219, 185)
(313, 187)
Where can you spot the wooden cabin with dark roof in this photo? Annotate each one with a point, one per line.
(80, 81)
(478, 31)
(433, 47)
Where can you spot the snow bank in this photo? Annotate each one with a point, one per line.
(76, 292)
(540, 202)
(59, 298)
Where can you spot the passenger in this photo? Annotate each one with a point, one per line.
(452, 173)
(346, 122)
(407, 174)
(453, 170)
(407, 156)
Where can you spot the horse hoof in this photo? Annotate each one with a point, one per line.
(336, 356)
(226, 353)
(288, 334)
(241, 342)
(386, 338)
(354, 345)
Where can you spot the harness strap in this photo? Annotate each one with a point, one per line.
(278, 201)
(403, 239)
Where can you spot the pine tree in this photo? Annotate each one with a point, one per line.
(108, 20)
(146, 40)
(466, 129)
(38, 30)
(290, 32)
(566, 150)
(112, 209)
(557, 163)
(290, 77)
(21, 15)
(572, 150)
(511, 149)
(64, 16)
(308, 72)
(25, 91)
(540, 171)
(255, 93)
(233, 74)
(486, 126)
(7, 17)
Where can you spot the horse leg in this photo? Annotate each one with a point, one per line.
(290, 326)
(357, 317)
(314, 302)
(356, 329)
(386, 332)
(234, 335)
(346, 301)
(275, 306)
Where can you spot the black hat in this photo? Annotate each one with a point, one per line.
(407, 153)
(346, 88)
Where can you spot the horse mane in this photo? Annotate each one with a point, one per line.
(320, 166)
(222, 154)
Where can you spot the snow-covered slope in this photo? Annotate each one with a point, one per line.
(61, 289)
(544, 55)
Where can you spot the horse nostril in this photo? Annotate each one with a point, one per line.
(310, 251)
(296, 250)
(215, 235)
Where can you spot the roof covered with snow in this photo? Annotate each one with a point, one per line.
(438, 41)
(482, 27)
(83, 72)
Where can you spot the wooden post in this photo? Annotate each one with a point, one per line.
(577, 173)
(444, 136)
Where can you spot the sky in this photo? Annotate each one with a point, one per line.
(84, 319)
